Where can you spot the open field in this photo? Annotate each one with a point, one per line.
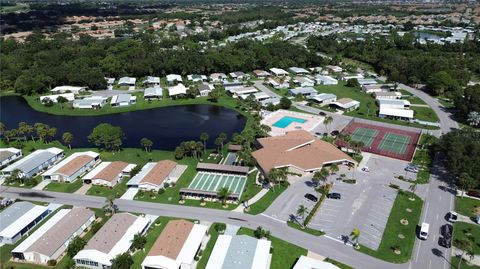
(262, 204)
(466, 206)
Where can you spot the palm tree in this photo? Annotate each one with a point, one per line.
(204, 137)
(22, 129)
(466, 246)
(2, 128)
(146, 143)
(139, 240)
(223, 194)
(327, 121)
(218, 143)
(413, 188)
(51, 132)
(67, 138)
(334, 168)
(355, 234)
(199, 149)
(301, 211)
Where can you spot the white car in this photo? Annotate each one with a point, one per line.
(424, 231)
(452, 216)
(365, 169)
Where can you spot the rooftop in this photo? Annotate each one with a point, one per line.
(172, 239)
(159, 172)
(34, 160)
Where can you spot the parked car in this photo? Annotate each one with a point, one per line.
(412, 169)
(311, 197)
(445, 242)
(334, 195)
(335, 133)
(423, 234)
(6, 202)
(446, 230)
(452, 216)
(365, 169)
(321, 113)
(475, 194)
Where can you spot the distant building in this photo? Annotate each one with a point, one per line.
(349, 76)
(9, 155)
(108, 173)
(72, 167)
(278, 83)
(177, 90)
(176, 247)
(54, 97)
(53, 237)
(205, 88)
(155, 175)
(232, 86)
(68, 89)
(238, 75)
(113, 239)
(123, 99)
(371, 88)
(18, 219)
(240, 252)
(387, 95)
(345, 104)
(395, 109)
(278, 72)
(238, 92)
(273, 100)
(334, 68)
(323, 98)
(367, 81)
(90, 102)
(127, 82)
(35, 162)
(196, 78)
(299, 71)
(174, 79)
(152, 81)
(153, 93)
(218, 77)
(303, 82)
(325, 80)
(261, 73)
(302, 91)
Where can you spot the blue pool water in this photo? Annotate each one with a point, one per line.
(287, 120)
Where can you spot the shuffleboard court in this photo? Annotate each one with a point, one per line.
(212, 182)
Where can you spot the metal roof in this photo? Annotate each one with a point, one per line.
(34, 160)
(223, 168)
(13, 212)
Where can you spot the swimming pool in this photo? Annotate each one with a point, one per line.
(287, 120)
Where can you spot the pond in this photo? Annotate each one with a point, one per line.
(167, 127)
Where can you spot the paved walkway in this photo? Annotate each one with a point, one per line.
(231, 229)
(458, 252)
(254, 199)
(41, 185)
(83, 189)
(129, 194)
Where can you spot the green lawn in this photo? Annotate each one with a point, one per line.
(264, 202)
(411, 98)
(454, 264)
(339, 264)
(308, 230)
(284, 254)
(152, 234)
(394, 228)
(64, 187)
(202, 263)
(466, 206)
(423, 157)
(462, 229)
(425, 114)
(117, 191)
(251, 189)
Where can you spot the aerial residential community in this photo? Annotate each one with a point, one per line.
(237, 135)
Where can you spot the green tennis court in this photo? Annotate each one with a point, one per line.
(213, 182)
(394, 143)
(365, 135)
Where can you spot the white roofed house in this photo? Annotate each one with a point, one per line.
(72, 167)
(177, 90)
(173, 79)
(395, 109)
(50, 240)
(35, 162)
(367, 81)
(151, 81)
(299, 71)
(303, 82)
(177, 246)
(323, 98)
(123, 99)
(110, 82)
(371, 88)
(273, 100)
(90, 102)
(205, 88)
(261, 73)
(238, 75)
(18, 219)
(196, 78)
(218, 77)
(345, 104)
(153, 93)
(114, 238)
(349, 76)
(302, 91)
(278, 83)
(278, 72)
(334, 68)
(54, 97)
(128, 82)
(155, 175)
(9, 155)
(68, 89)
(325, 80)
(387, 95)
(240, 252)
(232, 86)
(108, 173)
(305, 262)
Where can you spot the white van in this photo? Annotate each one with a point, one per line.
(424, 231)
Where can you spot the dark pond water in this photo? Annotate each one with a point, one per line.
(166, 127)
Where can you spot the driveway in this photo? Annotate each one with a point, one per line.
(259, 85)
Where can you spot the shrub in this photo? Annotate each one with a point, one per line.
(220, 227)
(395, 186)
(51, 262)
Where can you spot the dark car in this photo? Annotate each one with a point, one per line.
(335, 132)
(321, 113)
(446, 230)
(445, 242)
(311, 197)
(334, 195)
(475, 194)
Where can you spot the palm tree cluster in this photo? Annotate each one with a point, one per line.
(276, 175)
(192, 148)
(351, 144)
(146, 144)
(40, 130)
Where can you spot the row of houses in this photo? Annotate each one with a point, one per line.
(177, 246)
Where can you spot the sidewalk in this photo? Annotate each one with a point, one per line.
(458, 252)
(254, 199)
(41, 185)
(83, 189)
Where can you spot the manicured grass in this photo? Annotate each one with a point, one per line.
(462, 229)
(394, 228)
(64, 187)
(423, 157)
(466, 206)
(284, 254)
(117, 191)
(202, 263)
(411, 98)
(251, 189)
(264, 202)
(152, 234)
(454, 264)
(306, 229)
(425, 114)
(338, 264)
